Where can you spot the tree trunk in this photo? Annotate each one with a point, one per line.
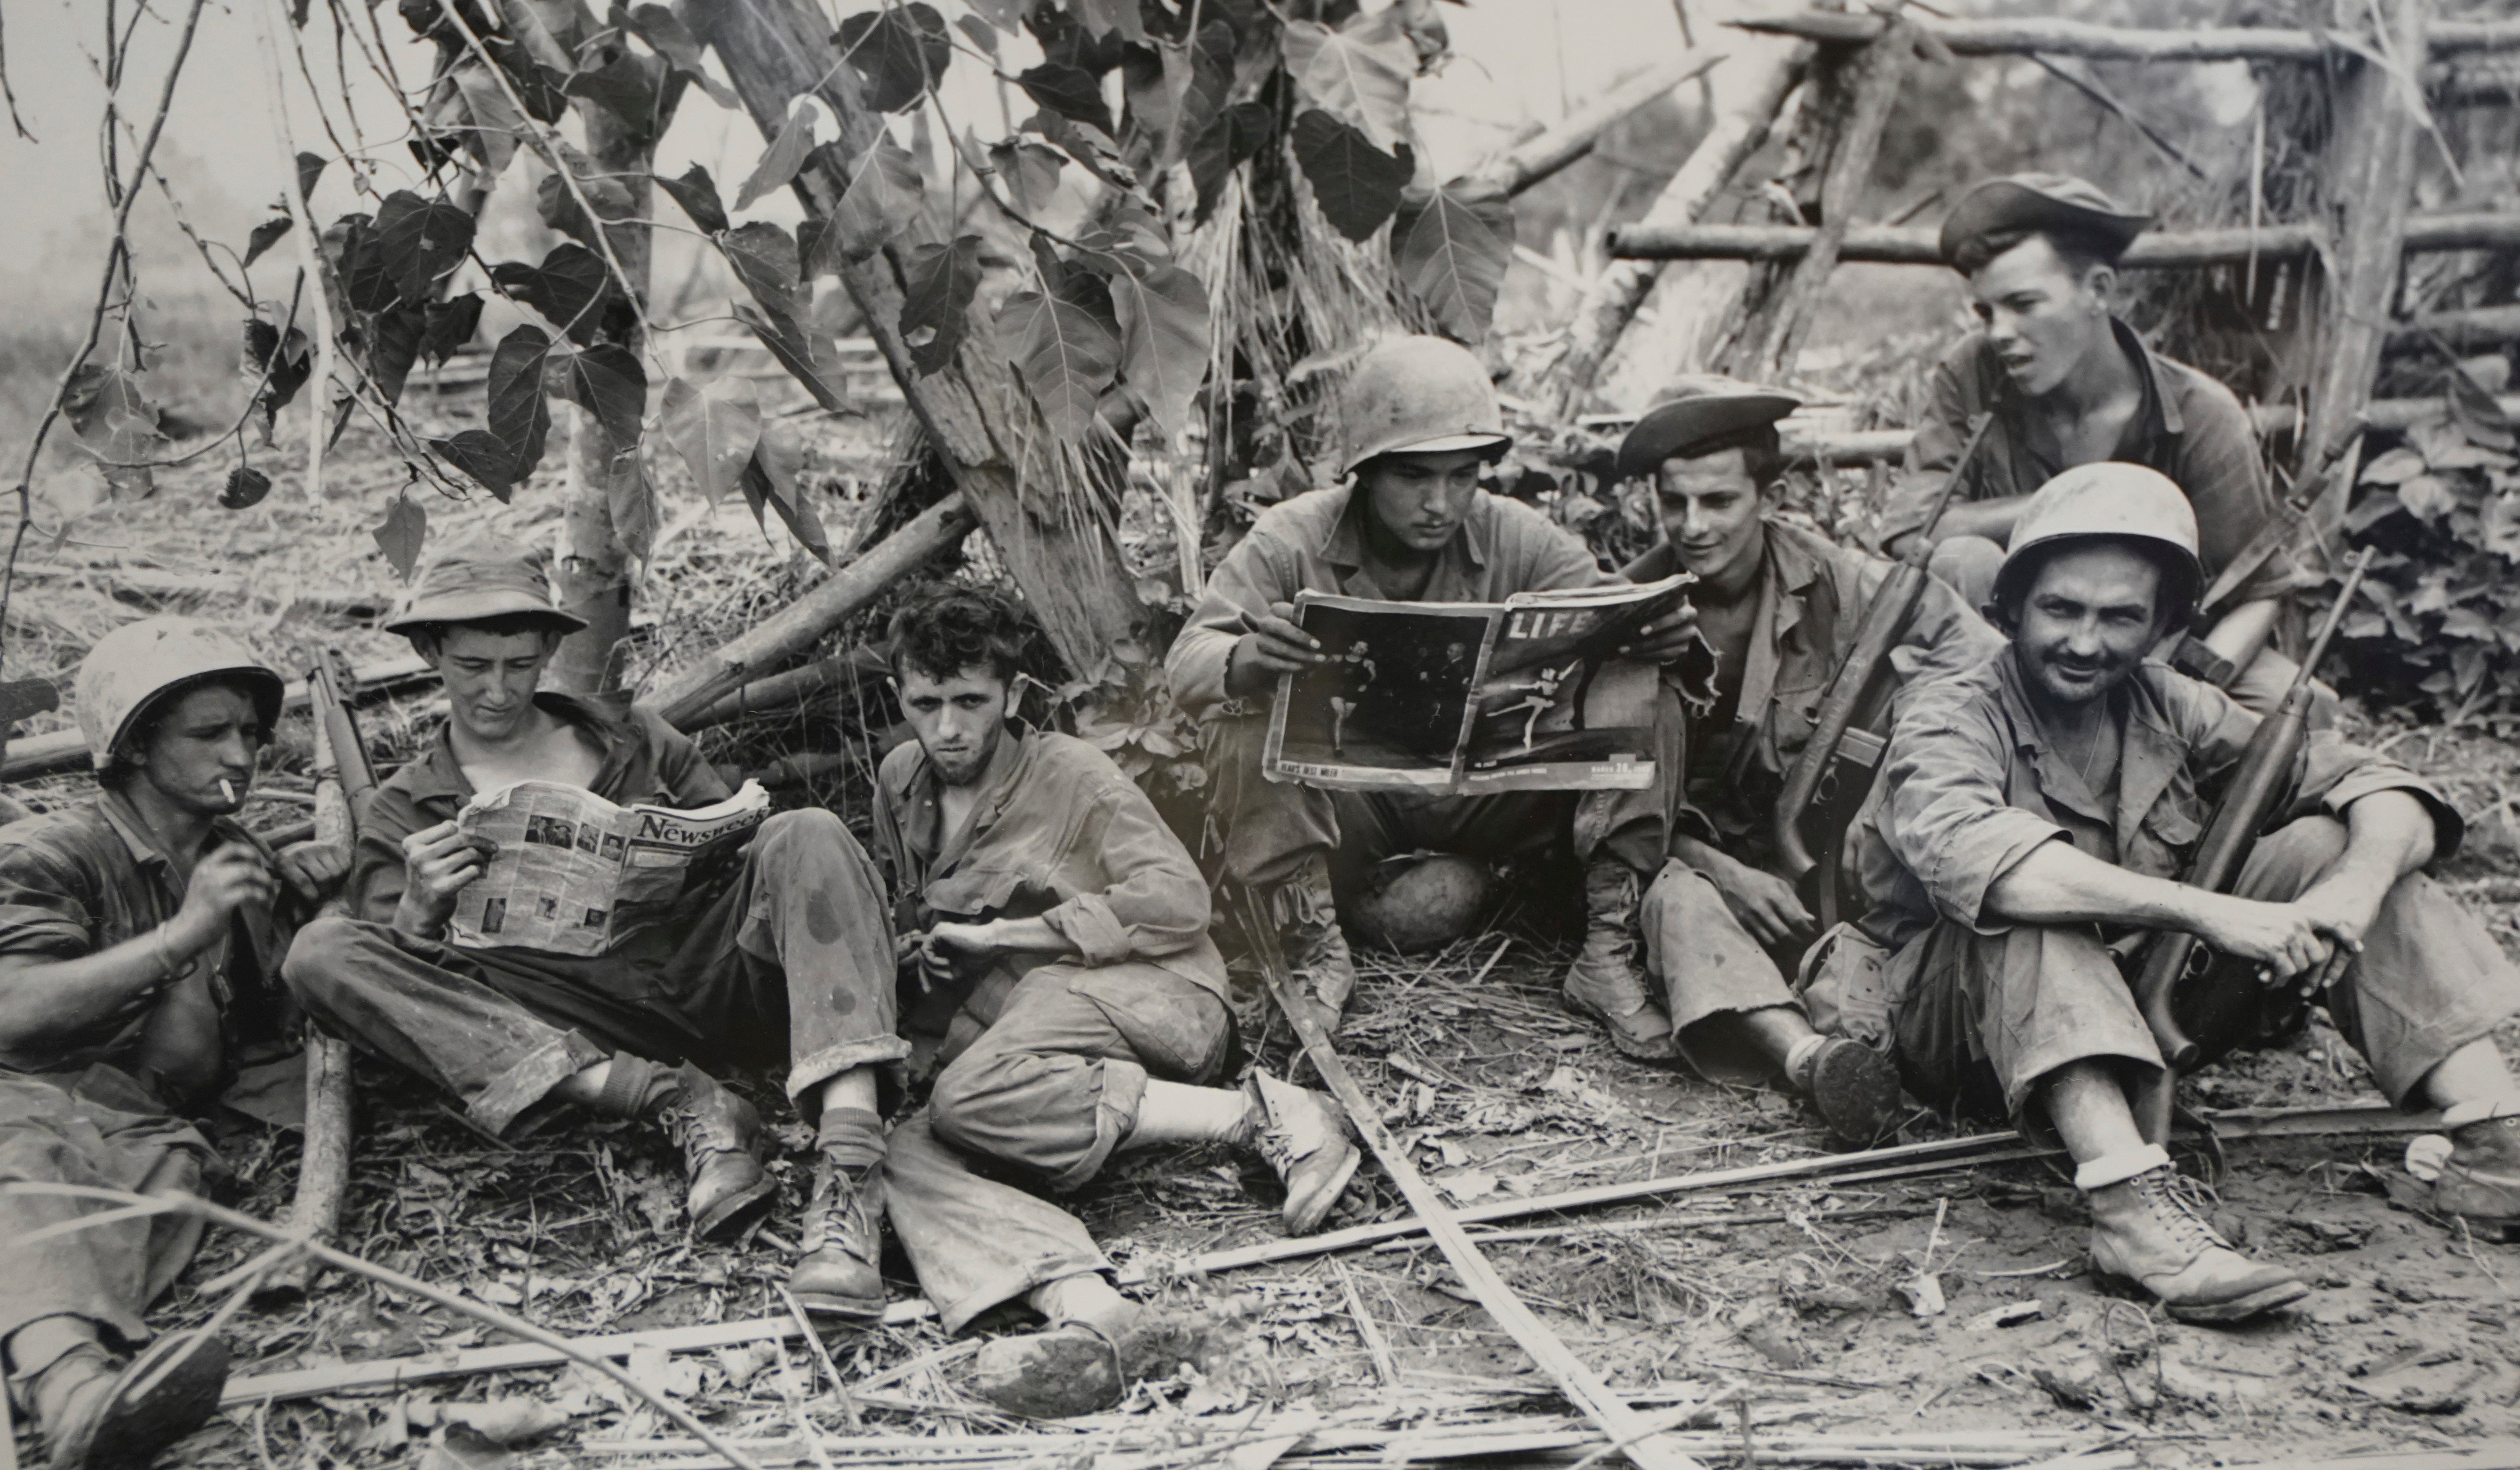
(1753, 86)
(1062, 555)
(592, 568)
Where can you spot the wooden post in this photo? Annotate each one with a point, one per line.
(1002, 456)
(2369, 184)
(1870, 84)
(1754, 86)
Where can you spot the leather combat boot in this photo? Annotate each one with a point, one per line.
(1078, 1367)
(2480, 1182)
(844, 1243)
(1855, 1088)
(2149, 1228)
(1304, 1136)
(1606, 982)
(99, 1416)
(720, 1136)
(1316, 946)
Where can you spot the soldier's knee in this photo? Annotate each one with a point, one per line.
(322, 953)
(967, 1104)
(1967, 565)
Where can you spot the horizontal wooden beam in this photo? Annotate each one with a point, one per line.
(2476, 328)
(1918, 244)
(2023, 37)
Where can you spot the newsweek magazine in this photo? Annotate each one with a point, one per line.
(1472, 697)
(572, 874)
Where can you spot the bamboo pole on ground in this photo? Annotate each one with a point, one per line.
(1757, 80)
(2020, 36)
(1914, 244)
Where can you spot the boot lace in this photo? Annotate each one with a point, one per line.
(837, 1214)
(2181, 1203)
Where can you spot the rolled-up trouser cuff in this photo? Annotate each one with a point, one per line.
(1115, 1117)
(808, 1072)
(1014, 1282)
(1704, 965)
(2118, 1168)
(530, 1080)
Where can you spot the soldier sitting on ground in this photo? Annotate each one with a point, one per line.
(139, 936)
(1057, 930)
(2069, 383)
(2043, 805)
(1780, 607)
(1411, 525)
(782, 958)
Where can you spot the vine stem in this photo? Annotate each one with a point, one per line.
(309, 255)
(115, 256)
(179, 1203)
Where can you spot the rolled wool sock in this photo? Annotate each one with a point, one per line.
(2118, 1168)
(1798, 1061)
(851, 1137)
(1174, 1112)
(2480, 1109)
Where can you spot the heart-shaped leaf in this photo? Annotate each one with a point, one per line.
(2428, 496)
(406, 526)
(936, 302)
(1359, 73)
(785, 153)
(245, 488)
(1029, 170)
(661, 28)
(492, 125)
(520, 414)
(265, 236)
(280, 365)
(696, 192)
(1163, 317)
(771, 480)
(1235, 138)
(764, 259)
(900, 52)
(799, 351)
(1064, 353)
(392, 345)
(1071, 92)
(881, 194)
(713, 429)
(632, 88)
(418, 241)
(558, 206)
(607, 381)
(567, 289)
(483, 459)
(1356, 184)
(451, 325)
(1451, 254)
(310, 167)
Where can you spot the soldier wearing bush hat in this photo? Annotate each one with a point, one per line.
(2068, 383)
(140, 936)
(782, 955)
(2039, 811)
(1418, 420)
(1780, 608)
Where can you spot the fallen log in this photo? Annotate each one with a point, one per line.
(1918, 244)
(43, 754)
(1866, 1165)
(1526, 163)
(797, 627)
(2475, 329)
(783, 694)
(2025, 36)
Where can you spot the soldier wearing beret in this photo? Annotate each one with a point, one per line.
(1780, 607)
(2069, 383)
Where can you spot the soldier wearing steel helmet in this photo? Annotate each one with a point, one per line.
(140, 939)
(1411, 523)
(2043, 805)
(2069, 383)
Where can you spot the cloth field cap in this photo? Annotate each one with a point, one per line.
(2037, 201)
(479, 580)
(2114, 500)
(1418, 395)
(139, 666)
(1698, 411)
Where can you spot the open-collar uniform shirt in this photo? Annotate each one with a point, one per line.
(1315, 542)
(1059, 833)
(2190, 426)
(1812, 598)
(79, 881)
(645, 760)
(1975, 785)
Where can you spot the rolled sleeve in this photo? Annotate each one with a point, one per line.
(1087, 922)
(1946, 818)
(39, 912)
(2336, 775)
(1257, 572)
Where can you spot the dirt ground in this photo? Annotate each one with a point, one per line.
(1957, 1303)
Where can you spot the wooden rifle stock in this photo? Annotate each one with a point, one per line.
(1861, 677)
(2264, 773)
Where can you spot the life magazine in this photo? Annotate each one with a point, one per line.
(1472, 697)
(571, 873)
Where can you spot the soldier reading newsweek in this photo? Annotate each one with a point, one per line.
(1411, 525)
(139, 933)
(2068, 383)
(2044, 803)
(1781, 609)
(1056, 934)
(783, 957)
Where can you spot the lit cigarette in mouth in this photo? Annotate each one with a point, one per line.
(227, 792)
